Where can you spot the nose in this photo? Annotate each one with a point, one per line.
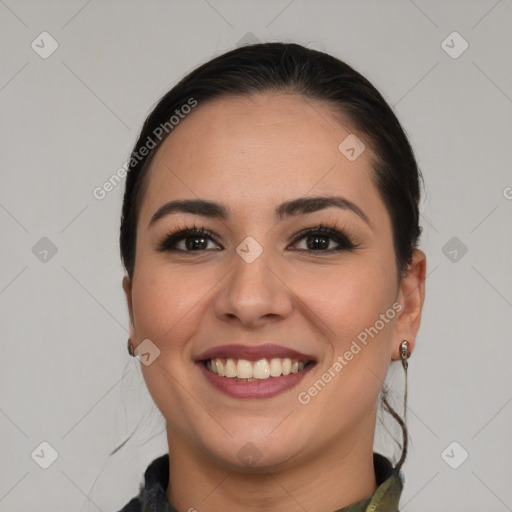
(254, 294)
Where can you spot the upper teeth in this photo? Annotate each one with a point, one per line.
(261, 369)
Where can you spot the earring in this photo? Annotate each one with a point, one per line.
(404, 355)
(130, 347)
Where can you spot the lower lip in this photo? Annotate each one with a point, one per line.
(265, 388)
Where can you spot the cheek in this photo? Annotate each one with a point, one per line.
(357, 305)
(350, 299)
(167, 302)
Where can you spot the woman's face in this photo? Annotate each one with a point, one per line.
(333, 299)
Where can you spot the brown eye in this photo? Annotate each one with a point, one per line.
(320, 238)
(195, 240)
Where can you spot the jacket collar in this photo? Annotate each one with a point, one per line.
(152, 496)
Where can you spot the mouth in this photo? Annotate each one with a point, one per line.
(254, 371)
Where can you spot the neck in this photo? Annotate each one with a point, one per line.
(333, 479)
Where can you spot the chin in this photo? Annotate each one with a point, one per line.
(258, 452)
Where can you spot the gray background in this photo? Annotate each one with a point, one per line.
(68, 123)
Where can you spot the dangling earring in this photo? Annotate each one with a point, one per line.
(130, 347)
(404, 355)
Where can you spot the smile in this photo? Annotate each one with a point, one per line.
(254, 370)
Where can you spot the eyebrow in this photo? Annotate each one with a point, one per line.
(302, 205)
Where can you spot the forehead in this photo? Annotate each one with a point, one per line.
(260, 149)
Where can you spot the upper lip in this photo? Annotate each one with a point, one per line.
(253, 353)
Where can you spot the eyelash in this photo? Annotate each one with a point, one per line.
(169, 240)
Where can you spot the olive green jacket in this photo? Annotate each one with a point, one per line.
(152, 496)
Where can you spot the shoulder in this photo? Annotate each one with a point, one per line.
(152, 491)
(133, 505)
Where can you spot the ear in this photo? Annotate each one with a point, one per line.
(411, 295)
(127, 287)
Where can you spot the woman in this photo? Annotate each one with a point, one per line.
(269, 234)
